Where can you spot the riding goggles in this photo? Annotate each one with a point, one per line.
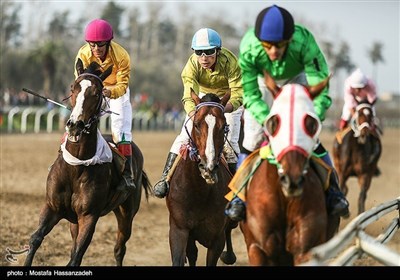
(98, 44)
(209, 52)
(278, 45)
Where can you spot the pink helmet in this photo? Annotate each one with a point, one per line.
(98, 30)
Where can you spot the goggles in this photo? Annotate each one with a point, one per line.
(98, 44)
(278, 45)
(210, 52)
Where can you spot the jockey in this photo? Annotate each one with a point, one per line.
(210, 69)
(290, 54)
(357, 87)
(100, 48)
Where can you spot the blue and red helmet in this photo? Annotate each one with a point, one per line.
(274, 24)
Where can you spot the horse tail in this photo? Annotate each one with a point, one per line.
(146, 185)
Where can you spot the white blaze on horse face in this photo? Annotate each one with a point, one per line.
(78, 109)
(210, 151)
(292, 106)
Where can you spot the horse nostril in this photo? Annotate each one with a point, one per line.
(285, 180)
(300, 181)
(69, 123)
(80, 125)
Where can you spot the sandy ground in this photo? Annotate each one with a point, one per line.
(23, 170)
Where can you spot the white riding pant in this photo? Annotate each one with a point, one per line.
(232, 119)
(253, 132)
(121, 124)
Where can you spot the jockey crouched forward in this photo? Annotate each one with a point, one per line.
(289, 53)
(210, 69)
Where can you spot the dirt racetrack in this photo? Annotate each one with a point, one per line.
(24, 162)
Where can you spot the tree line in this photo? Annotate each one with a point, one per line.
(159, 48)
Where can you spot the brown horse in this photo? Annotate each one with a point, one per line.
(357, 152)
(196, 200)
(81, 184)
(286, 212)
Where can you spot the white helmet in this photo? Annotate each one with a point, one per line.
(358, 79)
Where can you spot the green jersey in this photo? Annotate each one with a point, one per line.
(302, 55)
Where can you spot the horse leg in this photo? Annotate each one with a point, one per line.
(86, 225)
(124, 219)
(228, 256)
(191, 251)
(178, 239)
(343, 183)
(364, 182)
(73, 228)
(215, 250)
(48, 219)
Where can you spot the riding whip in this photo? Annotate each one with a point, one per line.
(47, 99)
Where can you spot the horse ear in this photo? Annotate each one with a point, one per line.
(271, 85)
(106, 73)
(226, 97)
(317, 89)
(195, 97)
(79, 66)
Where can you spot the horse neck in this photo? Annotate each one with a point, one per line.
(86, 147)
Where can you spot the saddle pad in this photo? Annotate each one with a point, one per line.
(341, 133)
(241, 178)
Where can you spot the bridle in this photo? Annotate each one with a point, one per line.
(193, 150)
(355, 126)
(85, 127)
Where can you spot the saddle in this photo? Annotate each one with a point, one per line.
(244, 174)
(118, 159)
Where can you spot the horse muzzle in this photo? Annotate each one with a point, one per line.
(74, 130)
(291, 187)
(209, 175)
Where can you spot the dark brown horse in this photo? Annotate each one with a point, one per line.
(196, 200)
(81, 184)
(357, 152)
(286, 212)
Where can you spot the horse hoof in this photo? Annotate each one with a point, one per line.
(228, 258)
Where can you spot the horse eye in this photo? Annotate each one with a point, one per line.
(311, 125)
(272, 125)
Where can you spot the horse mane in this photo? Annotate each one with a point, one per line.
(210, 97)
(94, 68)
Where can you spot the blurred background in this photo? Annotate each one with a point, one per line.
(40, 39)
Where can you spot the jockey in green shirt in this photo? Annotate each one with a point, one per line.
(290, 54)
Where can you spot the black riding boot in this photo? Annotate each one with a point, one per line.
(162, 186)
(232, 168)
(336, 202)
(127, 184)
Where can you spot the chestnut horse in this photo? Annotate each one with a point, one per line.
(358, 152)
(81, 183)
(286, 213)
(195, 199)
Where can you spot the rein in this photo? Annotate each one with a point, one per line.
(194, 152)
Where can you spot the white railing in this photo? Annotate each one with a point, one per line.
(339, 252)
(39, 119)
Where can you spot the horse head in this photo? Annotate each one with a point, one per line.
(362, 122)
(293, 128)
(86, 100)
(208, 133)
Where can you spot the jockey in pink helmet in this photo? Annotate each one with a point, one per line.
(100, 48)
